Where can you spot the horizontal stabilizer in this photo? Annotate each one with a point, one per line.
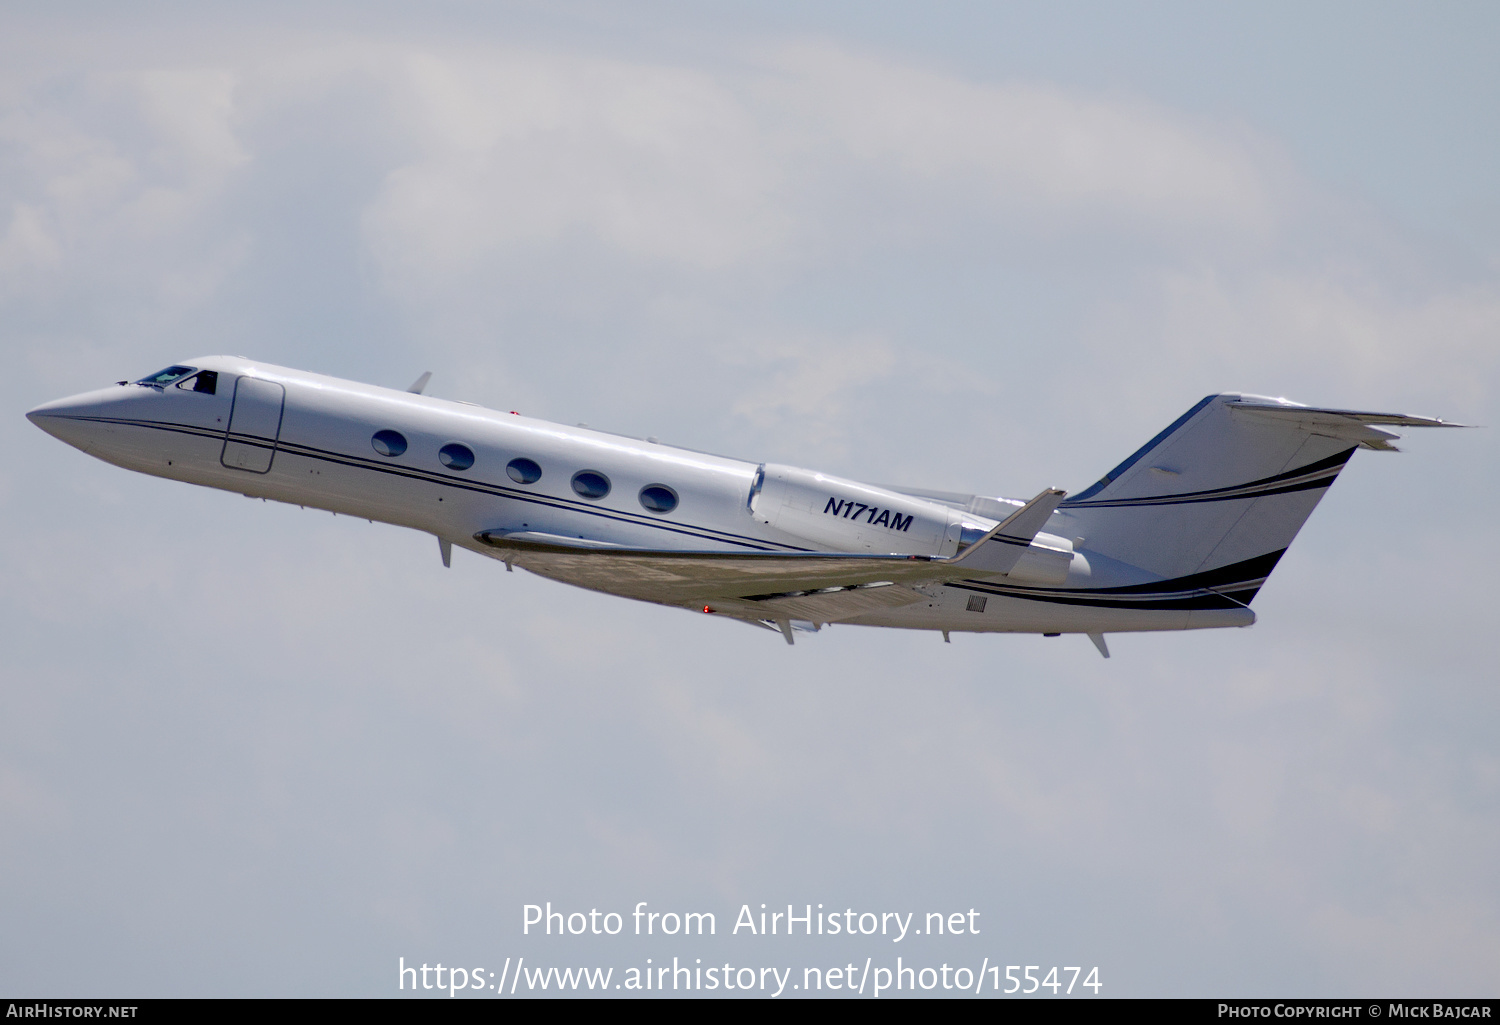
(980, 505)
(999, 550)
(1352, 425)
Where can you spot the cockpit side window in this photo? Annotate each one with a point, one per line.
(205, 382)
(165, 377)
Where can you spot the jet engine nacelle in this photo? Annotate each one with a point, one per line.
(851, 517)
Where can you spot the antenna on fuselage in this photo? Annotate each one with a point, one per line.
(420, 383)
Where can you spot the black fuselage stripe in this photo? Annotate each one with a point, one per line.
(1235, 584)
(1238, 496)
(1333, 463)
(1167, 602)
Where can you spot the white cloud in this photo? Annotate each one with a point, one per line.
(1354, 333)
(805, 386)
(1027, 149)
(747, 165)
(131, 165)
(27, 243)
(190, 112)
(524, 148)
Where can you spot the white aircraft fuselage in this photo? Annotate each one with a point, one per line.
(715, 534)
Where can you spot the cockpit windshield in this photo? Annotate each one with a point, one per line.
(167, 376)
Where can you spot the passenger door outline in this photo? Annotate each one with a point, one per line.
(254, 425)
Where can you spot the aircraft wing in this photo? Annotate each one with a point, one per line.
(702, 578)
(817, 586)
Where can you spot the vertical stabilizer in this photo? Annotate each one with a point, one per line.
(1223, 490)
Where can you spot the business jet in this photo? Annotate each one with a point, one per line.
(1179, 536)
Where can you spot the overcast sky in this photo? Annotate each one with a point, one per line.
(247, 749)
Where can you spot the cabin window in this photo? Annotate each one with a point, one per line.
(167, 376)
(523, 470)
(388, 443)
(658, 498)
(455, 456)
(591, 484)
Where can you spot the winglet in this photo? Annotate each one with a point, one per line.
(420, 383)
(1000, 549)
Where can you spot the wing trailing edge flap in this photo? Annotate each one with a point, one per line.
(826, 586)
(830, 605)
(1351, 425)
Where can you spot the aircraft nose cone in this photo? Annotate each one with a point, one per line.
(78, 419)
(48, 414)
